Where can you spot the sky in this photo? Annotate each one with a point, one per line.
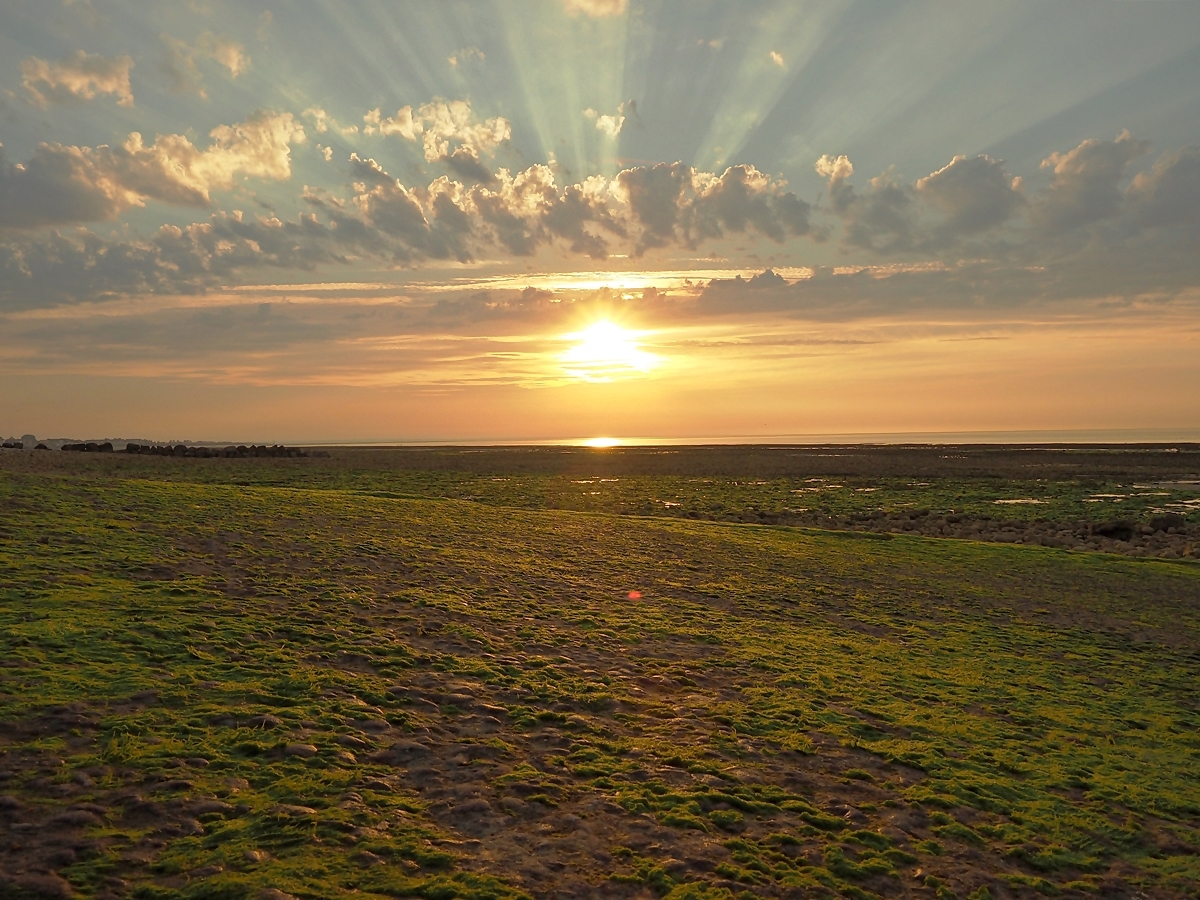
(559, 219)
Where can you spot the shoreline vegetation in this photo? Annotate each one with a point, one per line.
(687, 673)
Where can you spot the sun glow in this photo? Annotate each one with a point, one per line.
(604, 351)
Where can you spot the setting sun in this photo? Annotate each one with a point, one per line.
(604, 351)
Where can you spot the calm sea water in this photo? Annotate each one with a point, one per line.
(1083, 436)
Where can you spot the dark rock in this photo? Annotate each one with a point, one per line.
(401, 753)
(50, 887)
(76, 818)
(1165, 521)
(1117, 530)
(210, 807)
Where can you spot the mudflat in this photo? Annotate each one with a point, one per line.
(679, 672)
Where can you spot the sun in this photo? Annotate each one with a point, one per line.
(604, 351)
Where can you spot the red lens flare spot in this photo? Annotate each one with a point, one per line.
(634, 595)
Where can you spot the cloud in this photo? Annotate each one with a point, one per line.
(880, 218)
(179, 62)
(597, 8)
(1084, 188)
(443, 128)
(265, 21)
(225, 51)
(54, 267)
(1169, 194)
(467, 56)
(79, 77)
(606, 124)
(323, 122)
(385, 221)
(744, 198)
(974, 193)
(65, 184)
(776, 58)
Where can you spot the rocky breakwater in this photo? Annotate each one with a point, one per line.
(241, 451)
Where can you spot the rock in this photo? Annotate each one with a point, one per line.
(1118, 530)
(275, 894)
(44, 885)
(375, 784)
(206, 871)
(208, 807)
(401, 753)
(350, 740)
(1166, 520)
(196, 762)
(366, 858)
(76, 818)
(291, 811)
(304, 751)
(373, 725)
(472, 808)
(515, 805)
(264, 721)
(255, 856)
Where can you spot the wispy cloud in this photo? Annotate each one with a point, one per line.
(81, 76)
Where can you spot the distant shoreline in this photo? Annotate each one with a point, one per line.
(1042, 439)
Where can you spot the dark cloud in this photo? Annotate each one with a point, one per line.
(465, 163)
(1169, 194)
(974, 193)
(675, 204)
(1085, 187)
(47, 268)
(940, 220)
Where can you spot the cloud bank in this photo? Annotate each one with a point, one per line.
(65, 184)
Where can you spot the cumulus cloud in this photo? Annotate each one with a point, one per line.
(443, 127)
(1085, 186)
(1169, 194)
(641, 208)
(180, 60)
(82, 76)
(467, 56)
(597, 8)
(607, 124)
(974, 193)
(776, 58)
(173, 260)
(880, 218)
(65, 184)
(323, 122)
(384, 220)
